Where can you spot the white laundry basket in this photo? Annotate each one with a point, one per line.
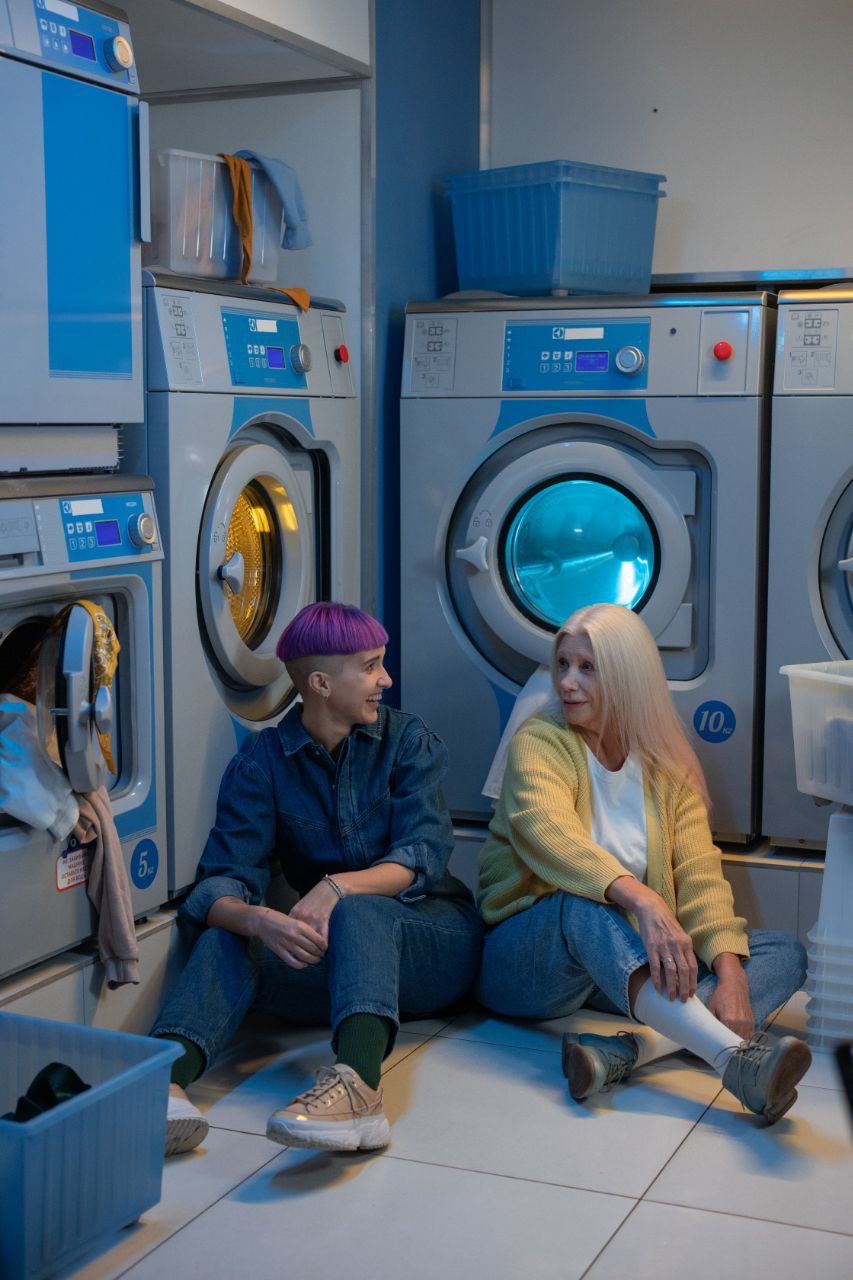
(822, 715)
(193, 232)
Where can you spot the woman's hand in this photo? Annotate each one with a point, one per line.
(315, 908)
(294, 941)
(672, 962)
(730, 1002)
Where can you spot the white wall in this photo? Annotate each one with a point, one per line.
(318, 134)
(746, 106)
(342, 25)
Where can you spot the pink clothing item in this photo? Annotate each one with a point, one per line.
(108, 889)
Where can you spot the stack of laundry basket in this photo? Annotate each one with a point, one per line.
(822, 713)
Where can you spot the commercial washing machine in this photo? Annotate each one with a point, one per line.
(810, 568)
(74, 154)
(63, 539)
(252, 438)
(557, 452)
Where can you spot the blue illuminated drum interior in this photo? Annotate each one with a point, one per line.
(576, 541)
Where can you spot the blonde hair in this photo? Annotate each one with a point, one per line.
(636, 707)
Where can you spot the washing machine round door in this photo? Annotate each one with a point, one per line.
(835, 576)
(255, 570)
(73, 716)
(567, 524)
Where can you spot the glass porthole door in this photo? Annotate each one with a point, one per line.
(576, 540)
(255, 570)
(539, 534)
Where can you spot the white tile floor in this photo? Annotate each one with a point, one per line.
(494, 1171)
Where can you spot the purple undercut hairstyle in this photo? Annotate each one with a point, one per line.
(326, 628)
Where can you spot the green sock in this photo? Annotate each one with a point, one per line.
(362, 1041)
(190, 1066)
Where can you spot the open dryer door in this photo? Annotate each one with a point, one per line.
(256, 569)
(70, 713)
(542, 531)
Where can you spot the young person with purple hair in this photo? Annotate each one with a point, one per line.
(346, 794)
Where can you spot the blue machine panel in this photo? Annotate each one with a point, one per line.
(259, 349)
(73, 38)
(577, 355)
(96, 528)
(88, 203)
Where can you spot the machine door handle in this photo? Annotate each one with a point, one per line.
(233, 572)
(477, 554)
(102, 708)
(846, 566)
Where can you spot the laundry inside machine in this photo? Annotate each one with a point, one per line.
(66, 543)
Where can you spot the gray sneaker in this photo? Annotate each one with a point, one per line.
(762, 1077)
(592, 1063)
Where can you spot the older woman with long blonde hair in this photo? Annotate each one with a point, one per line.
(601, 885)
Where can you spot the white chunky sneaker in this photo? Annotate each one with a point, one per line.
(186, 1127)
(338, 1113)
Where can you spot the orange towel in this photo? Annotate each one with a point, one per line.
(241, 206)
(241, 210)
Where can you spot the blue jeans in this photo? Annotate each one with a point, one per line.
(383, 956)
(566, 951)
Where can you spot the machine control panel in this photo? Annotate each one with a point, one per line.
(107, 526)
(433, 353)
(809, 344)
(72, 37)
(582, 355)
(265, 350)
(180, 347)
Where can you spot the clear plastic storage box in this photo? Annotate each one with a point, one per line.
(89, 1166)
(822, 715)
(193, 232)
(533, 228)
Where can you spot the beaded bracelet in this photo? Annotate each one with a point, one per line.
(337, 888)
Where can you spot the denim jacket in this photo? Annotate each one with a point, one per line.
(284, 796)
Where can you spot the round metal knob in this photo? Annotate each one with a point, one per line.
(233, 573)
(142, 530)
(300, 358)
(118, 53)
(630, 360)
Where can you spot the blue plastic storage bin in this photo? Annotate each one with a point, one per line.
(91, 1165)
(533, 228)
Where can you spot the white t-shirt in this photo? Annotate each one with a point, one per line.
(619, 813)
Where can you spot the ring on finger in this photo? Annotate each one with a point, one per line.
(667, 960)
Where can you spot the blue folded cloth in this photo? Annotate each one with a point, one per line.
(286, 183)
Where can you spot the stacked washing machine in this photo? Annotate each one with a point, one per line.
(252, 438)
(71, 528)
(810, 571)
(557, 452)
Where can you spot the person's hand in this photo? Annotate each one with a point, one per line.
(731, 1004)
(672, 962)
(315, 908)
(294, 941)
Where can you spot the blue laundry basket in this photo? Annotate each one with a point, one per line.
(534, 228)
(89, 1166)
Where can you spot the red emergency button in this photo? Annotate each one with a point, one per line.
(724, 351)
(342, 354)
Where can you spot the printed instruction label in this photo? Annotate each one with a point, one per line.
(71, 867)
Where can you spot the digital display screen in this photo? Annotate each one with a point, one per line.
(82, 45)
(275, 357)
(592, 362)
(106, 531)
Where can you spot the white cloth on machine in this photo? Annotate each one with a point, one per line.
(33, 789)
(537, 695)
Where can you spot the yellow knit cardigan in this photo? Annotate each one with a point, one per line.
(539, 841)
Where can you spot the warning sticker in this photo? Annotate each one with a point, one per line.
(71, 867)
